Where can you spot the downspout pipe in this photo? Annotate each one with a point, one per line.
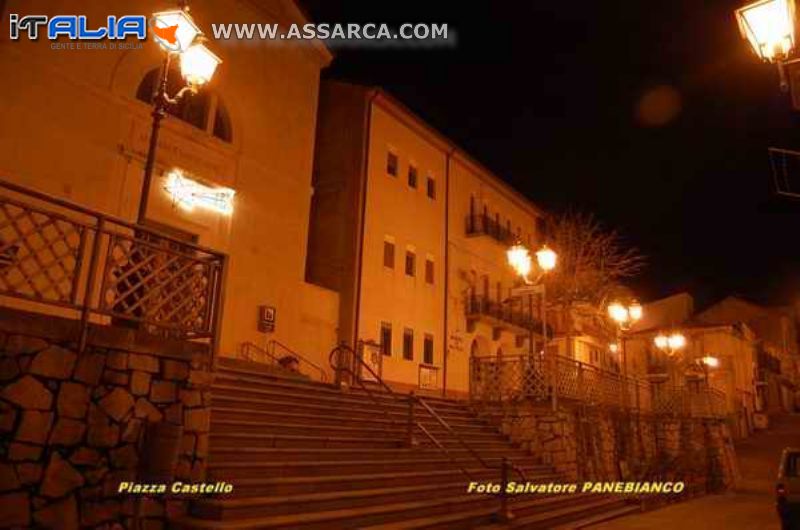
(445, 338)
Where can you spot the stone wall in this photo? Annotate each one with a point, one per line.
(72, 423)
(595, 443)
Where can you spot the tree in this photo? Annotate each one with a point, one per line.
(592, 261)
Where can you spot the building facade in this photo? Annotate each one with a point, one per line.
(76, 126)
(412, 233)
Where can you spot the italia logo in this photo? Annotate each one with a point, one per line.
(76, 27)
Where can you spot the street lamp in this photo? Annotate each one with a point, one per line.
(769, 27)
(177, 34)
(670, 344)
(624, 316)
(519, 258)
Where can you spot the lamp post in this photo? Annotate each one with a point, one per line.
(624, 316)
(519, 258)
(768, 25)
(177, 34)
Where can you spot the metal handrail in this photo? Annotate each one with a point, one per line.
(273, 343)
(411, 400)
(270, 354)
(339, 366)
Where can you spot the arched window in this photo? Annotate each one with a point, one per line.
(204, 110)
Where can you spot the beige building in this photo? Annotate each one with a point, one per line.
(777, 347)
(413, 234)
(76, 125)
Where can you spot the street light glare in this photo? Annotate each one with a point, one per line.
(520, 260)
(710, 361)
(661, 342)
(198, 64)
(769, 26)
(546, 258)
(635, 311)
(676, 341)
(618, 313)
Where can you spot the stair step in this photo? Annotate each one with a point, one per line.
(244, 384)
(229, 453)
(232, 399)
(348, 518)
(243, 426)
(306, 441)
(276, 415)
(244, 507)
(266, 486)
(466, 519)
(531, 517)
(231, 471)
(233, 365)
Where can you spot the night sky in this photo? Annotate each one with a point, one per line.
(653, 115)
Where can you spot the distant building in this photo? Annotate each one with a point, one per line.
(775, 331)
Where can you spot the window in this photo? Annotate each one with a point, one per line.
(388, 254)
(386, 338)
(412, 176)
(427, 350)
(411, 263)
(429, 271)
(408, 344)
(203, 110)
(391, 164)
(431, 188)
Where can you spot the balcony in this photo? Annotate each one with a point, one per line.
(483, 225)
(501, 315)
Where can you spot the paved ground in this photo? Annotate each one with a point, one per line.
(751, 507)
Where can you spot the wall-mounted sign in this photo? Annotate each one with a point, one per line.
(189, 194)
(266, 318)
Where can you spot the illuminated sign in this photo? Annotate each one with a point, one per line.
(189, 194)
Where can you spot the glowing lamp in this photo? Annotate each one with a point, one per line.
(676, 341)
(174, 30)
(613, 347)
(618, 312)
(189, 194)
(635, 311)
(520, 260)
(769, 27)
(661, 342)
(710, 361)
(546, 258)
(198, 64)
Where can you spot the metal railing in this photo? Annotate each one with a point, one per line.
(479, 305)
(532, 377)
(61, 255)
(349, 366)
(275, 352)
(477, 225)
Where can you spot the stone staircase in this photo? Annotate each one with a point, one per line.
(305, 455)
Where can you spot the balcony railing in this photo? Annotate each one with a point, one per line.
(500, 313)
(61, 255)
(483, 225)
(537, 378)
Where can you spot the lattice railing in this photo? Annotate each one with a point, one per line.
(515, 377)
(56, 253)
(508, 378)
